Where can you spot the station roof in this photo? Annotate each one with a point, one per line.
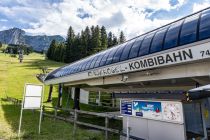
(190, 29)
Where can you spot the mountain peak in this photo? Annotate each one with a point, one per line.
(18, 36)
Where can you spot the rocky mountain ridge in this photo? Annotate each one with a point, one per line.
(18, 36)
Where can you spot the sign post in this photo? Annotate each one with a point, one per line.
(32, 99)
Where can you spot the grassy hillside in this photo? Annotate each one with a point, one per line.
(13, 76)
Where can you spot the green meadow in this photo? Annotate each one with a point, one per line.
(13, 76)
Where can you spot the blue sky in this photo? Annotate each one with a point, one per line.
(134, 17)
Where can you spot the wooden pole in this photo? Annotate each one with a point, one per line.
(106, 126)
(99, 98)
(55, 113)
(75, 123)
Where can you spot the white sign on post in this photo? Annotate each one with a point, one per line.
(32, 99)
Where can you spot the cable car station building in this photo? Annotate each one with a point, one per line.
(153, 74)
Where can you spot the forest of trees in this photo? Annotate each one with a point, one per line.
(91, 40)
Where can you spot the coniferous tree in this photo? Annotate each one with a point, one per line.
(122, 37)
(114, 40)
(55, 51)
(69, 45)
(104, 41)
(83, 44)
(62, 52)
(92, 40)
(97, 39)
(110, 41)
(87, 40)
(77, 49)
(51, 50)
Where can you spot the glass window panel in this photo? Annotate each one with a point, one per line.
(72, 68)
(204, 28)
(89, 62)
(157, 42)
(103, 60)
(93, 62)
(77, 67)
(144, 49)
(118, 53)
(69, 70)
(111, 55)
(135, 48)
(66, 71)
(126, 50)
(85, 63)
(80, 66)
(61, 72)
(189, 30)
(171, 39)
(99, 59)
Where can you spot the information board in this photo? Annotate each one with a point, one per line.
(32, 99)
(126, 107)
(147, 109)
(170, 111)
(33, 96)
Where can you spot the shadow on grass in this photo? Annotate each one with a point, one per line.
(38, 63)
(92, 119)
(52, 130)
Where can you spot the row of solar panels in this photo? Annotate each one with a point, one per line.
(187, 30)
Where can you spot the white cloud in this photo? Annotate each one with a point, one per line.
(116, 15)
(198, 7)
(3, 20)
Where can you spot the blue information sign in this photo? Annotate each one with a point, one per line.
(126, 107)
(147, 109)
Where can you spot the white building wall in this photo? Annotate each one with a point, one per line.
(153, 130)
(84, 95)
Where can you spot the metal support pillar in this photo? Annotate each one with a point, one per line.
(69, 97)
(76, 98)
(59, 104)
(50, 94)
